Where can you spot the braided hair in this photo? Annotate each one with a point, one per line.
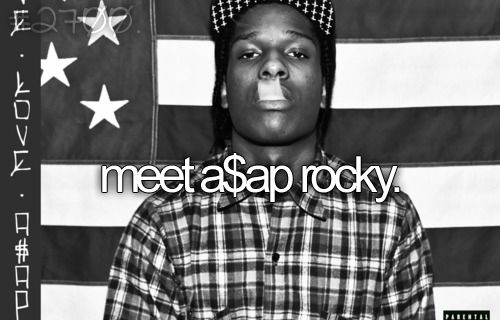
(221, 118)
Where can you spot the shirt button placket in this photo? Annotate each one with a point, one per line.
(272, 259)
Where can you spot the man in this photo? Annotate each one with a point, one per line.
(307, 255)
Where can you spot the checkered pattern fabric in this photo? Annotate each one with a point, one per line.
(320, 12)
(305, 256)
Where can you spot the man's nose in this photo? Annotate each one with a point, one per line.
(273, 67)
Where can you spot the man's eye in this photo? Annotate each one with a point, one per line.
(248, 55)
(297, 54)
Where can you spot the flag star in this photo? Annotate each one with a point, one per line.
(53, 66)
(102, 25)
(104, 108)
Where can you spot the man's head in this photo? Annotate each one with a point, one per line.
(280, 43)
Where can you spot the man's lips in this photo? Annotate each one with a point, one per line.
(274, 105)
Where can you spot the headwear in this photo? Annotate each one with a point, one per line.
(319, 12)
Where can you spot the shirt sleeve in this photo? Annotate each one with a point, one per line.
(142, 283)
(408, 292)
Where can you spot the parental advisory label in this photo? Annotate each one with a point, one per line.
(466, 315)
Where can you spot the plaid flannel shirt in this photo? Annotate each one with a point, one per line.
(306, 256)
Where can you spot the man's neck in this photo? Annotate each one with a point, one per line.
(294, 155)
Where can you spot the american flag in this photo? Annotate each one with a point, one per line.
(130, 82)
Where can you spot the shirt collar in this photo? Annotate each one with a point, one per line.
(311, 201)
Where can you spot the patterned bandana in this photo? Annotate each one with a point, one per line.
(319, 12)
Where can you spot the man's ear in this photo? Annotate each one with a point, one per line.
(323, 98)
(223, 96)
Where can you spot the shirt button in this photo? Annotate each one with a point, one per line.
(276, 257)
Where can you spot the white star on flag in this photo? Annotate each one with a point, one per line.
(53, 66)
(104, 108)
(102, 25)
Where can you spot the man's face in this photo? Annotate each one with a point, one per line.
(274, 41)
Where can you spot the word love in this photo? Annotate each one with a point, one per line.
(255, 179)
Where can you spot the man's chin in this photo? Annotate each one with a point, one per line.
(270, 138)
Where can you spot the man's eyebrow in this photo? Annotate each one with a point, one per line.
(245, 36)
(292, 33)
(297, 34)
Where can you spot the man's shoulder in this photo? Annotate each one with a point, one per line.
(396, 215)
(346, 178)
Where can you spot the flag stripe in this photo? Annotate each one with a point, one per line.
(413, 136)
(358, 19)
(443, 196)
(467, 298)
(178, 122)
(457, 196)
(410, 136)
(459, 255)
(63, 302)
(417, 136)
(456, 73)
(78, 254)
(71, 195)
(84, 254)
